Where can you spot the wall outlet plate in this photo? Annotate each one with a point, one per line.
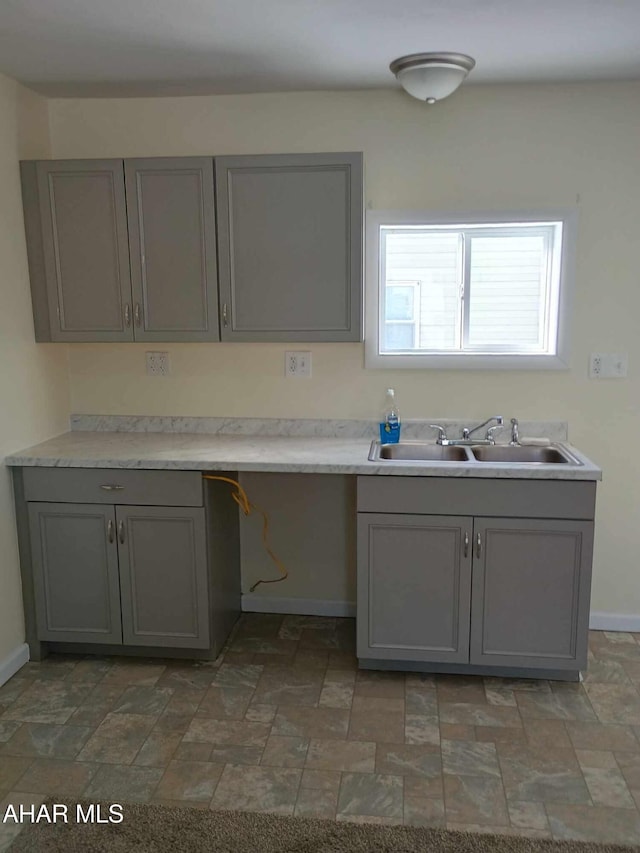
(158, 364)
(297, 364)
(608, 365)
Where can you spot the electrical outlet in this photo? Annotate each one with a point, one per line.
(611, 365)
(158, 364)
(595, 365)
(297, 364)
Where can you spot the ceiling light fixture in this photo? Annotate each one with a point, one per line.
(431, 77)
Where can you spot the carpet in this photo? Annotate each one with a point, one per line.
(163, 829)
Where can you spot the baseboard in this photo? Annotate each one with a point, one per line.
(14, 661)
(299, 606)
(601, 621)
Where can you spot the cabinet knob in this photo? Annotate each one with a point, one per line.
(225, 315)
(466, 544)
(110, 535)
(478, 545)
(121, 532)
(137, 313)
(111, 487)
(127, 315)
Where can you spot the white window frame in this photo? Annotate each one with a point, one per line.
(559, 360)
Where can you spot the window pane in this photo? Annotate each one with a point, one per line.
(399, 303)
(399, 336)
(434, 260)
(507, 292)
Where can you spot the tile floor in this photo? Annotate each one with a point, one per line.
(284, 721)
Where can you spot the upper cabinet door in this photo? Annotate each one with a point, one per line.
(82, 268)
(170, 206)
(290, 247)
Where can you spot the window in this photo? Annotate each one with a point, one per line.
(483, 291)
(402, 315)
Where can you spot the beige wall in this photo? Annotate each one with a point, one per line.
(33, 378)
(500, 147)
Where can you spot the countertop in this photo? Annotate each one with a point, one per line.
(306, 454)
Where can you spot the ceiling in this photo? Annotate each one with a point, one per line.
(67, 48)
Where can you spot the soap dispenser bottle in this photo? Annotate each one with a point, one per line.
(390, 423)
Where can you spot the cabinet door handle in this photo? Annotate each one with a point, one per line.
(466, 544)
(110, 535)
(111, 487)
(127, 315)
(121, 533)
(478, 546)
(225, 315)
(137, 314)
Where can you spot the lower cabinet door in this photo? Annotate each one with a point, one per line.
(531, 591)
(163, 575)
(75, 572)
(414, 587)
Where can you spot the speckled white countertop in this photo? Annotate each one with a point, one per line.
(272, 446)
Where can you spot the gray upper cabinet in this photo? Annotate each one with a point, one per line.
(75, 572)
(414, 587)
(170, 207)
(290, 247)
(531, 593)
(110, 266)
(76, 226)
(163, 570)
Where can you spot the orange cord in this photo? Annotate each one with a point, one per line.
(241, 498)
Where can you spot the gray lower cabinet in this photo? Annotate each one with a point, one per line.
(163, 576)
(132, 575)
(290, 247)
(75, 572)
(414, 586)
(530, 603)
(475, 592)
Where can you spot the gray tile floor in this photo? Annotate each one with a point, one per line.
(284, 721)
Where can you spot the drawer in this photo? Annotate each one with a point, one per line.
(478, 497)
(113, 486)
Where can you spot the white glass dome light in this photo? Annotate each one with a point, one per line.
(430, 77)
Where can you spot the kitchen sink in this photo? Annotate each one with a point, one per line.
(422, 451)
(536, 455)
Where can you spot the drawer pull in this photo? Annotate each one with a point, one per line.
(478, 546)
(466, 544)
(121, 533)
(111, 487)
(110, 535)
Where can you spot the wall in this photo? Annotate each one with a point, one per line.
(33, 378)
(488, 147)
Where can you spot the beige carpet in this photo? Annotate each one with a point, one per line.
(156, 829)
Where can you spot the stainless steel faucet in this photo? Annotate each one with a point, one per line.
(467, 433)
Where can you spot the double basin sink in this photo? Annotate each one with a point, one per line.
(422, 451)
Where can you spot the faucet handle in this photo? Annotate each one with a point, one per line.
(442, 433)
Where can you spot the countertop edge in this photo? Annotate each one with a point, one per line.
(137, 459)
